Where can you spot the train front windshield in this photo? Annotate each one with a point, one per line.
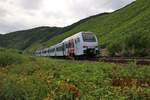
(88, 37)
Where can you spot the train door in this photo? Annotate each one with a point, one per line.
(63, 49)
(71, 48)
(78, 46)
(66, 49)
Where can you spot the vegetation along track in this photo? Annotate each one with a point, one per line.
(124, 60)
(120, 60)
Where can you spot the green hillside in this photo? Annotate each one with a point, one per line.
(35, 37)
(124, 32)
(23, 39)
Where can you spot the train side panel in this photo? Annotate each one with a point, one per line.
(82, 43)
(59, 49)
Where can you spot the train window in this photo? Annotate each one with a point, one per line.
(78, 39)
(71, 43)
(60, 48)
(66, 45)
(88, 37)
(49, 50)
(52, 50)
(56, 49)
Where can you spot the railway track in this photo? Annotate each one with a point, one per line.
(123, 60)
(117, 60)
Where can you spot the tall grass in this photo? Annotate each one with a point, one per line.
(43, 78)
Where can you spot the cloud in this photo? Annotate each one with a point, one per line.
(24, 14)
(31, 4)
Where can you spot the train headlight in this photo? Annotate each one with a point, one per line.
(85, 46)
(96, 46)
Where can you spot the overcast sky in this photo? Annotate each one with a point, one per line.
(25, 14)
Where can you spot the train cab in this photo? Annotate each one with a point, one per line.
(85, 43)
(90, 43)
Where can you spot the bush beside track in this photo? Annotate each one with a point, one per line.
(36, 78)
(126, 60)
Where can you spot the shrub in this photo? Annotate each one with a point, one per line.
(23, 88)
(9, 58)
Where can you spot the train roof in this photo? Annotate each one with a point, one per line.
(75, 35)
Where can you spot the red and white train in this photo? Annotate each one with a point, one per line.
(79, 44)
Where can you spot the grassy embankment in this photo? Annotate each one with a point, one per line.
(34, 78)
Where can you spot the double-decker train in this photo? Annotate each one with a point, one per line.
(79, 44)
